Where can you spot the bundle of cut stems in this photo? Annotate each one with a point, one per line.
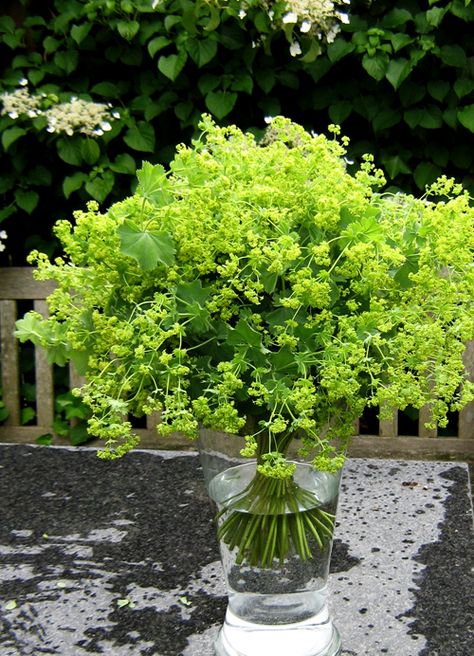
(273, 519)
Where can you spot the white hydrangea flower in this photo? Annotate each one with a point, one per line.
(320, 18)
(20, 103)
(3, 235)
(76, 115)
(92, 119)
(290, 17)
(242, 14)
(344, 18)
(295, 49)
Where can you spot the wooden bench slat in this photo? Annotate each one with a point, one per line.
(466, 416)
(10, 362)
(75, 380)
(389, 427)
(44, 379)
(18, 283)
(424, 417)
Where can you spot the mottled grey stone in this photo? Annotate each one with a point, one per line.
(121, 558)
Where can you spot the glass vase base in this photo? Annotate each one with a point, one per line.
(311, 637)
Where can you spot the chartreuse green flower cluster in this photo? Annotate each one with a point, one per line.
(261, 288)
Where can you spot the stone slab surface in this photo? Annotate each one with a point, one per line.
(120, 558)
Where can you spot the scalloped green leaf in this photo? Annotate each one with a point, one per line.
(153, 183)
(148, 247)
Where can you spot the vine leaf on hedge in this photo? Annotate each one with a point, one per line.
(201, 51)
(466, 117)
(426, 173)
(398, 70)
(214, 19)
(463, 87)
(27, 200)
(90, 151)
(73, 182)
(100, 186)
(69, 150)
(147, 247)
(338, 49)
(396, 17)
(172, 65)
(123, 163)
(394, 165)
(439, 89)
(157, 44)
(79, 32)
(11, 135)
(141, 136)
(453, 55)
(220, 103)
(376, 66)
(128, 28)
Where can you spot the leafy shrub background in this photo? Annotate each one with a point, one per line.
(399, 78)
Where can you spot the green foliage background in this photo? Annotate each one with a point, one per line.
(399, 79)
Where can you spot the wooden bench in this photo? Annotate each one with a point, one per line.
(18, 284)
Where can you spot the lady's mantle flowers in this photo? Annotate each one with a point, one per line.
(75, 115)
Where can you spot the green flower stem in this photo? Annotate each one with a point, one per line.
(271, 520)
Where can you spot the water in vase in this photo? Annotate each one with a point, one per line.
(279, 609)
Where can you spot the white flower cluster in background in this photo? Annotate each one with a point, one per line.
(321, 18)
(318, 18)
(19, 103)
(3, 236)
(75, 115)
(79, 115)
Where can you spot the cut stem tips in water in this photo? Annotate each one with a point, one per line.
(273, 519)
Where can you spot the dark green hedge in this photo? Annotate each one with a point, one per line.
(399, 78)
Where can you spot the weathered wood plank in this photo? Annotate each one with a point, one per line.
(466, 416)
(412, 448)
(75, 380)
(43, 379)
(389, 427)
(10, 362)
(28, 435)
(152, 421)
(425, 417)
(18, 283)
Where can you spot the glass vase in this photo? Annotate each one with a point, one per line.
(275, 540)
